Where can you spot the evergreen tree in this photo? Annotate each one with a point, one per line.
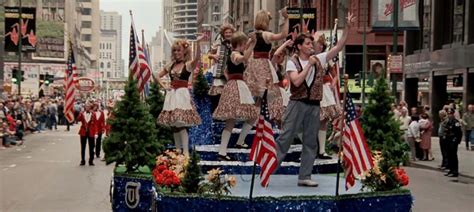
(381, 129)
(193, 175)
(156, 101)
(201, 87)
(132, 139)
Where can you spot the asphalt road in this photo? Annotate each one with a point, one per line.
(44, 175)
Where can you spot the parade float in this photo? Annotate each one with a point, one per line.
(150, 176)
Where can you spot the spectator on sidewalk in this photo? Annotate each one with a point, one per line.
(52, 112)
(413, 136)
(443, 145)
(61, 119)
(453, 136)
(404, 120)
(426, 128)
(468, 124)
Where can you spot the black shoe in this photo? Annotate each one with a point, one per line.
(453, 175)
(447, 174)
(224, 158)
(82, 163)
(91, 163)
(97, 156)
(324, 156)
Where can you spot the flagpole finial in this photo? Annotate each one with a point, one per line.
(130, 12)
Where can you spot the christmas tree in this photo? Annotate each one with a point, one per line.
(201, 87)
(133, 137)
(381, 129)
(193, 175)
(156, 101)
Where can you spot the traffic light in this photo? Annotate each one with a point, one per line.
(357, 79)
(15, 75)
(370, 81)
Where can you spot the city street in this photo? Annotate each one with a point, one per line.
(44, 175)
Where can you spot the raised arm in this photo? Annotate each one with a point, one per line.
(197, 55)
(283, 47)
(284, 32)
(341, 42)
(237, 58)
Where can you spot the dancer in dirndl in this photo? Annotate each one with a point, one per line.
(278, 105)
(236, 103)
(179, 111)
(220, 53)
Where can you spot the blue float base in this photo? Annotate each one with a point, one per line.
(284, 195)
(281, 195)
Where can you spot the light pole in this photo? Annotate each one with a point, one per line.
(18, 74)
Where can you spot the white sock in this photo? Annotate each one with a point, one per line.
(224, 142)
(322, 141)
(177, 141)
(246, 127)
(185, 141)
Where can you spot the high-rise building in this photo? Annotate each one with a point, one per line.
(185, 19)
(90, 31)
(112, 21)
(168, 15)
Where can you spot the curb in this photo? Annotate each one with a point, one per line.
(467, 178)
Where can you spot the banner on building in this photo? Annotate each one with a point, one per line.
(309, 20)
(382, 11)
(51, 33)
(27, 32)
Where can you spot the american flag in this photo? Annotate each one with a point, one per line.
(138, 64)
(70, 80)
(264, 147)
(147, 56)
(357, 156)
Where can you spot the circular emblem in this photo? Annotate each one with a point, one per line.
(85, 84)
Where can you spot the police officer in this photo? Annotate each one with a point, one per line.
(453, 133)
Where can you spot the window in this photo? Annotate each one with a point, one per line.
(108, 65)
(109, 74)
(458, 21)
(86, 37)
(101, 64)
(216, 9)
(86, 24)
(86, 11)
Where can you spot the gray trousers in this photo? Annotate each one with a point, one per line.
(299, 115)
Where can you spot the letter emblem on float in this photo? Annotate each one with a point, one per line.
(132, 194)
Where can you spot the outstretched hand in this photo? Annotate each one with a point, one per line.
(351, 19)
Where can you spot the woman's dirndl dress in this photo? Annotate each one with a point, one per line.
(178, 109)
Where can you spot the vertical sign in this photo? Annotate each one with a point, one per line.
(27, 32)
(309, 19)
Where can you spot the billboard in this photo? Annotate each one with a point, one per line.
(408, 17)
(27, 32)
(309, 19)
(51, 33)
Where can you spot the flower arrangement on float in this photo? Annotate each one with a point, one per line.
(383, 177)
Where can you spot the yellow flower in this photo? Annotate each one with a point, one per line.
(232, 181)
(213, 173)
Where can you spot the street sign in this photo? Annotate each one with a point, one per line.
(395, 63)
(27, 31)
(85, 84)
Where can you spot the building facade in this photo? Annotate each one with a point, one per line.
(90, 30)
(113, 21)
(185, 19)
(438, 63)
(168, 15)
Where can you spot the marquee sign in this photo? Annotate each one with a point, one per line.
(85, 84)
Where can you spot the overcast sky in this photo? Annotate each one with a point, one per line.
(146, 15)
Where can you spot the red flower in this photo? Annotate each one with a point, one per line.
(161, 168)
(401, 176)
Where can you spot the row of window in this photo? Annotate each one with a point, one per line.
(105, 46)
(106, 55)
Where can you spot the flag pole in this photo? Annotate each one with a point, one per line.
(341, 125)
(254, 169)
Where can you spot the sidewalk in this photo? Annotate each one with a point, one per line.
(465, 157)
